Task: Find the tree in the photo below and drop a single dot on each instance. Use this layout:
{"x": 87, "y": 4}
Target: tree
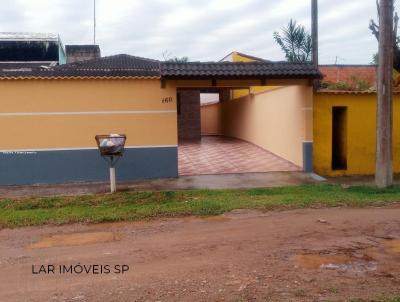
{"x": 167, "y": 56}
{"x": 296, "y": 42}
{"x": 375, "y": 59}
{"x": 396, "y": 49}
{"x": 178, "y": 60}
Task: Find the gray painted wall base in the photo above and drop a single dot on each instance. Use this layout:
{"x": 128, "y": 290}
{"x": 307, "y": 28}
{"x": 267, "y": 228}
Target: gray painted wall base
{"x": 17, "y": 168}
{"x": 308, "y": 157}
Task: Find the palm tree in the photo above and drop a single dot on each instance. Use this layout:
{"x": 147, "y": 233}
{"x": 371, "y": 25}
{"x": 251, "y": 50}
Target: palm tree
{"x": 296, "y": 42}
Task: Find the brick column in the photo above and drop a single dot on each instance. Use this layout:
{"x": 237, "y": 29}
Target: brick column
{"x": 189, "y": 122}
{"x": 224, "y": 95}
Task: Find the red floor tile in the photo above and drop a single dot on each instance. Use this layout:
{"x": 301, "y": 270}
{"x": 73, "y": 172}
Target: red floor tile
{"x": 222, "y": 155}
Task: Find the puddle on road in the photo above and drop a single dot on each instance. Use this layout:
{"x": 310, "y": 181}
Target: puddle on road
{"x": 335, "y": 262}
{"x": 220, "y": 218}
{"x": 75, "y": 239}
{"x": 357, "y": 260}
{"x": 216, "y": 218}
{"x": 393, "y": 245}
{"x": 317, "y": 261}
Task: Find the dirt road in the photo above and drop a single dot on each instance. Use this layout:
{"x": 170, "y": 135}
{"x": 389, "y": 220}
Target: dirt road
{"x": 302, "y": 255}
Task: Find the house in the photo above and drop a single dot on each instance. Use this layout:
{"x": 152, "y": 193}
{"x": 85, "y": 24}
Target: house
{"x": 53, "y": 114}
{"x": 26, "y": 50}
{"x": 79, "y": 53}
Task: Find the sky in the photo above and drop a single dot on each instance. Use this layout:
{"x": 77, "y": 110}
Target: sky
{"x": 199, "y": 29}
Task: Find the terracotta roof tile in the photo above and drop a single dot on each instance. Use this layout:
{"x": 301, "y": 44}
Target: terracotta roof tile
{"x": 346, "y": 92}
{"x": 131, "y": 66}
{"x": 112, "y": 66}
{"x": 238, "y": 69}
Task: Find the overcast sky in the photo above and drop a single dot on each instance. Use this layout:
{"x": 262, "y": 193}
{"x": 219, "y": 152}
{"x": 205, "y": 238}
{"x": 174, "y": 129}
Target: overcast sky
{"x": 200, "y": 29}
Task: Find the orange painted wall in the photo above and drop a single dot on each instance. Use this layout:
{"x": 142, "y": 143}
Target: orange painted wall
{"x": 211, "y": 123}
{"x": 279, "y": 120}
{"x": 41, "y": 114}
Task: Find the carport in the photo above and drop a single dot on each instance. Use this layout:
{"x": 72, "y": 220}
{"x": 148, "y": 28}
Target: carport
{"x": 227, "y": 155}
{"x": 239, "y": 140}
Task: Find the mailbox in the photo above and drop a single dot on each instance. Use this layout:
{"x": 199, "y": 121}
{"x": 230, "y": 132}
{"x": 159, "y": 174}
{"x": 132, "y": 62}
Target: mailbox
{"x": 111, "y": 149}
{"x": 111, "y": 145}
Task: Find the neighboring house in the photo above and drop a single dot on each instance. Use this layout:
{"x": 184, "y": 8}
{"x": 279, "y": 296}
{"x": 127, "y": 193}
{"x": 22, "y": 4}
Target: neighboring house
{"x": 345, "y": 133}
{"x": 26, "y": 51}
{"x": 349, "y": 73}
{"x": 52, "y": 115}
{"x": 31, "y": 48}
{"x": 79, "y": 53}
{"x": 236, "y": 56}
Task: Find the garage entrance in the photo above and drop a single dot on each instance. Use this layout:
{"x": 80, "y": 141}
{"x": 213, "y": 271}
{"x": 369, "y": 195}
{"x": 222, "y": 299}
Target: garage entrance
{"x": 262, "y": 116}
{"x": 226, "y": 131}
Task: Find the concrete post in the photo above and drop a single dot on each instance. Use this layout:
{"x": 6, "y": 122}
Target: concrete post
{"x": 308, "y": 102}
{"x": 314, "y": 35}
{"x": 384, "y": 156}
{"x": 113, "y": 184}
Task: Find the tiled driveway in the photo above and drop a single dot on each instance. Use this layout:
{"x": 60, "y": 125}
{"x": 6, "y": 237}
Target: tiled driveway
{"x": 222, "y": 155}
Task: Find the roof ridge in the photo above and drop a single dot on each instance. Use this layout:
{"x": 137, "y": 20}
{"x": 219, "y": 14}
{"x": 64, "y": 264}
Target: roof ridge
{"x": 238, "y": 63}
{"x": 135, "y": 57}
{"x": 103, "y": 59}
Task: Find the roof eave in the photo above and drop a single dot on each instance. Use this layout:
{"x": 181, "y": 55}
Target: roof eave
{"x": 241, "y": 77}
{"x": 79, "y": 78}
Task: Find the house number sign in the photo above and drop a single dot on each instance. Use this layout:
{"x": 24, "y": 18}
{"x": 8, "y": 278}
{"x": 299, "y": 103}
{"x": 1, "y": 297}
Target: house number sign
{"x": 166, "y": 100}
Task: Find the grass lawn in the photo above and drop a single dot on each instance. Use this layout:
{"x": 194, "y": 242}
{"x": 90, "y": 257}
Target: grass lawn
{"x": 148, "y": 205}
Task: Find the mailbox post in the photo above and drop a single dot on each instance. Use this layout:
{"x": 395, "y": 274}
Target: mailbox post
{"x": 111, "y": 149}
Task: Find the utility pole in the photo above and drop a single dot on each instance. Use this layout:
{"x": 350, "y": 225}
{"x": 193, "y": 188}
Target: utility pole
{"x": 94, "y": 22}
{"x": 314, "y": 31}
{"x": 384, "y": 120}
{"x": 314, "y": 36}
